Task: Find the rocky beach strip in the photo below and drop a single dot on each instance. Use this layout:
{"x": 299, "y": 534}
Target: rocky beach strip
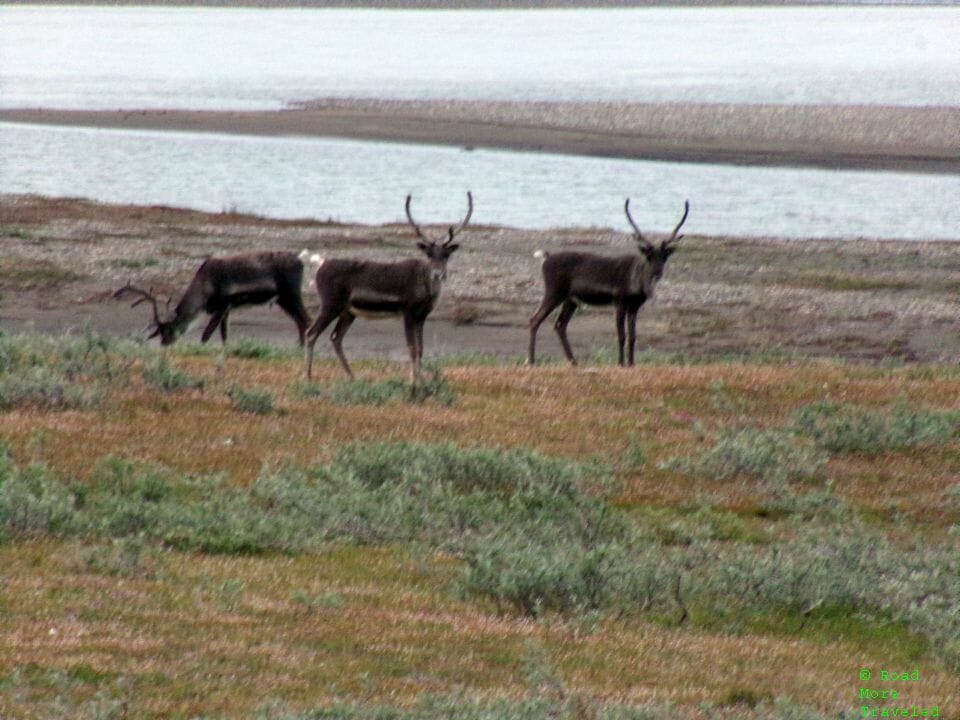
{"x": 923, "y": 139}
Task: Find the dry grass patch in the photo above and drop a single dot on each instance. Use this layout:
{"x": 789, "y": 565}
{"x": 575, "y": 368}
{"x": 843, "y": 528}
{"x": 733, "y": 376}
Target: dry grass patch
{"x": 603, "y": 413}
{"x": 99, "y": 618}
{"x": 220, "y": 635}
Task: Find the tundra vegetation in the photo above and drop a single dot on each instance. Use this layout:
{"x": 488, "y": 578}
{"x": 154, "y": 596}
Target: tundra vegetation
{"x": 722, "y": 539}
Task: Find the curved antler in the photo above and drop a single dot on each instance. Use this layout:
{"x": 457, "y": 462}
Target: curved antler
{"x": 673, "y": 236}
{"x": 416, "y": 228}
{"x": 144, "y": 296}
{"x": 636, "y": 229}
{"x": 453, "y": 232}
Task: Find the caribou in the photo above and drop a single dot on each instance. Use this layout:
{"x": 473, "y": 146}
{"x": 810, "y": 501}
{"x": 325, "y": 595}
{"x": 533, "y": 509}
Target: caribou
{"x": 410, "y": 288}
{"x": 221, "y": 284}
{"x": 626, "y": 282}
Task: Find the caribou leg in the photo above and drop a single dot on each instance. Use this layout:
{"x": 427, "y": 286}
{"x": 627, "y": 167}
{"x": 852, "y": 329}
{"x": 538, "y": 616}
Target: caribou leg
{"x": 621, "y": 332}
{"x": 410, "y": 329}
{"x": 566, "y": 312}
{"x": 219, "y": 315}
{"x": 336, "y": 337}
{"x": 546, "y": 307}
{"x": 292, "y": 305}
{"x": 315, "y": 331}
{"x": 631, "y": 333}
{"x": 420, "y": 325}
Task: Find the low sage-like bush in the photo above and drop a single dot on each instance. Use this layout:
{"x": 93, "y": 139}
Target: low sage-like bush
{"x": 47, "y": 389}
{"x": 776, "y": 456}
{"x": 532, "y": 538}
{"x": 431, "y": 386}
{"x": 851, "y": 429}
{"x": 254, "y": 349}
{"x": 254, "y": 401}
{"x": 69, "y": 372}
{"x": 32, "y": 501}
{"x": 161, "y": 375}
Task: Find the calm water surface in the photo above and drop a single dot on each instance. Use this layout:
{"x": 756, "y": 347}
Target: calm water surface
{"x": 356, "y": 181}
{"x": 137, "y": 57}
{"x": 104, "y": 57}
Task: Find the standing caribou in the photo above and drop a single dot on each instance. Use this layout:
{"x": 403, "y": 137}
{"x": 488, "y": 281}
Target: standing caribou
{"x": 626, "y": 282}
{"x": 221, "y": 284}
{"x": 410, "y": 288}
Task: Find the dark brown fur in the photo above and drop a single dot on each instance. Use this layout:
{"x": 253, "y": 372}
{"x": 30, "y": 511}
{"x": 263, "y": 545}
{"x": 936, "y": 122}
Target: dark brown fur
{"x": 626, "y": 282}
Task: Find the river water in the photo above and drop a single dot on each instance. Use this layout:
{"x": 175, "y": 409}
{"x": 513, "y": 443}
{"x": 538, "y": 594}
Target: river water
{"x": 215, "y": 58}
{"x": 136, "y": 57}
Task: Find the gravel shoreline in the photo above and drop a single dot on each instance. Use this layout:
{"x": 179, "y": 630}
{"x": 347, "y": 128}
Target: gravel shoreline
{"x": 876, "y": 137}
{"x": 863, "y": 300}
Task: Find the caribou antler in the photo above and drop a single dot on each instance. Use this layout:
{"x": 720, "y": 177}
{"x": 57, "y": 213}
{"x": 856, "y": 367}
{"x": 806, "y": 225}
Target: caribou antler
{"x": 466, "y": 219}
{"x": 452, "y": 232}
{"x": 674, "y": 238}
{"x": 416, "y": 228}
{"x": 640, "y": 238}
{"x": 143, "y": 296}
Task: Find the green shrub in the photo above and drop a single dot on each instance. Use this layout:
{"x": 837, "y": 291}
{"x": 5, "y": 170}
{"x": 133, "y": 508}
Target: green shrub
{"x": 670, "y": 526}
{"x": 48, "y": 389}
{"x": 432, "y": 386}
{"x": 33, "y": 502}
{"x": 531, "y": 537}
{"x": 775, "y": 456}
{"x": 161, "y": 375}
{"x": 850, "y": 567}
{"x": 850, "y": 429}
{"x": 463, "y": 469}
{"x": 254, "y": 401}
{"x": 308, "y": 390}
{"x": 380, "y": 492}
{"x": 62, "y": 373}
{"x": 253, "y": 349}
{"x": 534, "y": 573}
{"x": 367, "y": 392}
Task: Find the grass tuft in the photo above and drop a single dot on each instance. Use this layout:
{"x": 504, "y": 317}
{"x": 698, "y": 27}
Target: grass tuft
{"x": 159, "y": 374}
{"x": 850, "y": 429}
{"x": 432, "y": 386}
{"x": 774, "y": 455}
{"x": 254, "y": 401}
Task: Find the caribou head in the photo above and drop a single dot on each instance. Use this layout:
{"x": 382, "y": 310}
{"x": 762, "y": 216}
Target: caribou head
{"x": 657, "y": 255}
{"x": 166, "y": 328}
{"x": 439, "y": 251}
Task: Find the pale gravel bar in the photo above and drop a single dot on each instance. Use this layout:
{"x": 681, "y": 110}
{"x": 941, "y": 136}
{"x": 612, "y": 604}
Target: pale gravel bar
{"x": 925, "y": 139}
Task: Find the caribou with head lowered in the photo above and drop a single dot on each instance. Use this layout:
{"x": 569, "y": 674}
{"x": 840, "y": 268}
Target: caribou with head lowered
{"x": 626, "y": 282}
{"x": 224, "y": 283}
{"x": 410, "y": 288}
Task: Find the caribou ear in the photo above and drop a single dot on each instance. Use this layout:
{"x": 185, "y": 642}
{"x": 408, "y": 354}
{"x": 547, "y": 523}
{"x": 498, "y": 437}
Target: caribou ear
{"x": 451, "y": 248}
{"x": 423, "y": 246}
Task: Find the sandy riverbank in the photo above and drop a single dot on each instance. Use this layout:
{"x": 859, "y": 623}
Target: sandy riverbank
{"x": 869, "y": 137}
{"x": 864, "y": 300}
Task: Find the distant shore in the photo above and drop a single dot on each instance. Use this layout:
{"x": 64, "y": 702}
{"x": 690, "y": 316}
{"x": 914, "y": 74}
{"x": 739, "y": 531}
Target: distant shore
{"x": 918, "y": 139}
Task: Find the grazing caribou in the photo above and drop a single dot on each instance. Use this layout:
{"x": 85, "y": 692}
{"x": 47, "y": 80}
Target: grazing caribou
{"x": 410, "y": 288}
{"x": 626, "y": 282}
{"x": 221, "y": 284}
